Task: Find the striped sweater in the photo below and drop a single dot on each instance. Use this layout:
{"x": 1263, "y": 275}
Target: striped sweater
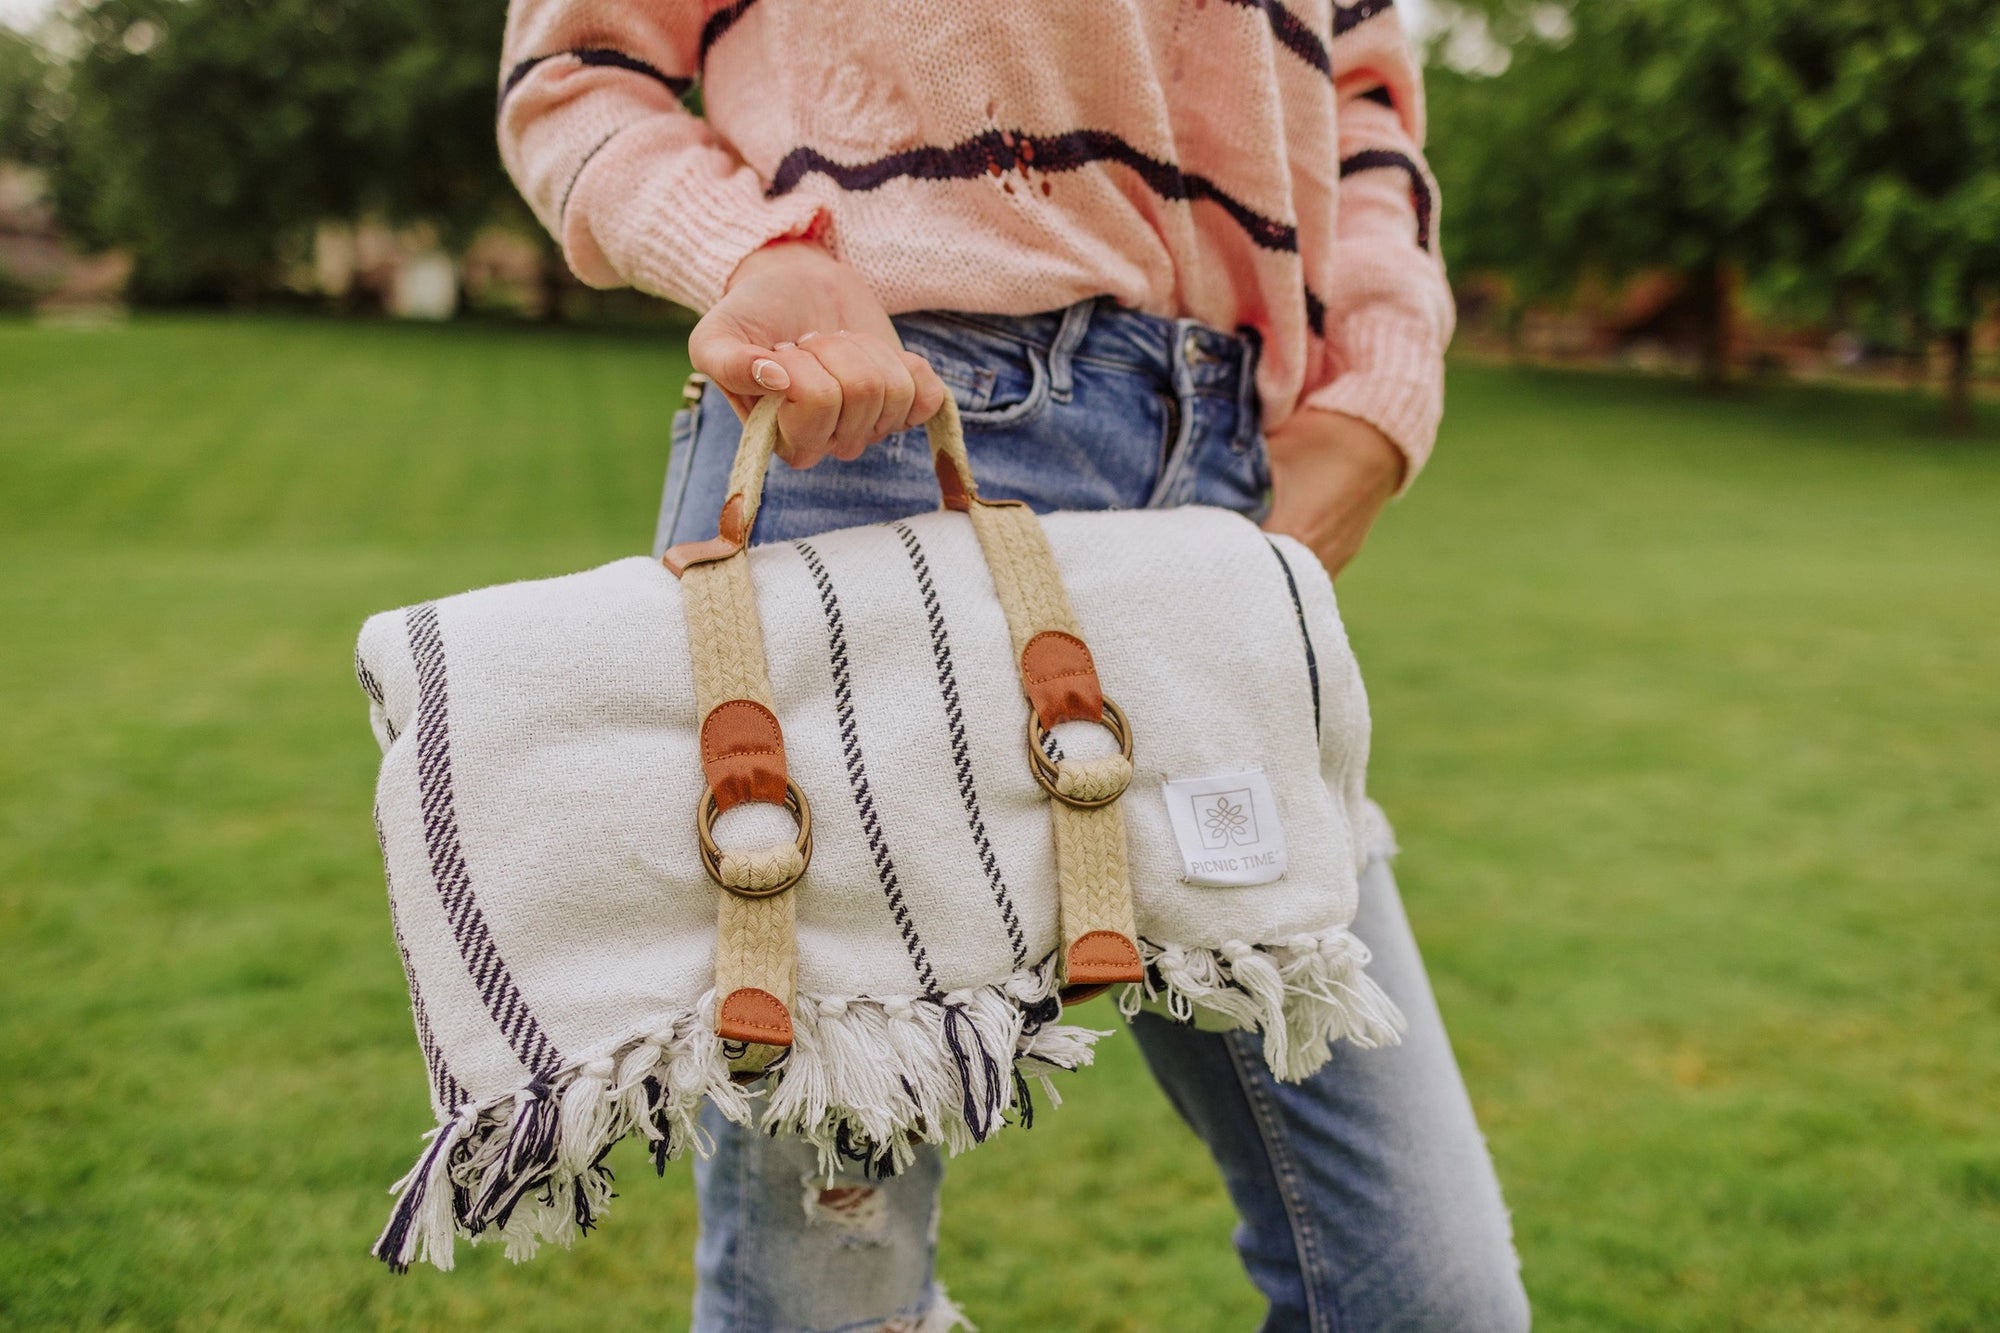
{"x": 1247, "y": 163}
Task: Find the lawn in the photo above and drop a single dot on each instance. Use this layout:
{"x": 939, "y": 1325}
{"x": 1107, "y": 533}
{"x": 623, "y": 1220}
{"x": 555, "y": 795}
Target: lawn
{"x": 1688, "y": 711}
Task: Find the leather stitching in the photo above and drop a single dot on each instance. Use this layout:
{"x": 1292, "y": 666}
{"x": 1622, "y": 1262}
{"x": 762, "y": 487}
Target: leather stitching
{"x": 753, "y": 766}
{"x": 758, "y": 1015}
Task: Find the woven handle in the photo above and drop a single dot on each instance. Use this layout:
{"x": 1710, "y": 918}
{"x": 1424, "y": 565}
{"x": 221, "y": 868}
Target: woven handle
{"x": 761, "y": 437}
{"x": 743, "y": 746}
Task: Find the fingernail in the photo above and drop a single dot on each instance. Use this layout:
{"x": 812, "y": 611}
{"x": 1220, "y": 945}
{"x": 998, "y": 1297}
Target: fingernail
{"x": 784, "y": 347}
{"x": 808, "y": 337}
{"x": 770, "y": 375}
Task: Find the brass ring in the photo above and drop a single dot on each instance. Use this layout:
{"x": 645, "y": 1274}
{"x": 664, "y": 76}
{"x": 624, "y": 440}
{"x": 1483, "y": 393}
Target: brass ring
{"x": 1047, "y": 773}
{"x": 711, "y": 855}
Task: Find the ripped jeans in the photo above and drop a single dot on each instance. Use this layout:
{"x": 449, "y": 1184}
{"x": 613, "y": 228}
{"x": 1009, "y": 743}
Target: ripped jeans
{"x": 1367, "y": 1198}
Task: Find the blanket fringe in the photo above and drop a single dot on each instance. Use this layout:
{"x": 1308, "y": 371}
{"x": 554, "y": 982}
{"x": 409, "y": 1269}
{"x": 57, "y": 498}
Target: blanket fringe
{"x": 865, "y": 1081}
{"x": 1303, "y": 993}
{"x": 944, "y": 1316}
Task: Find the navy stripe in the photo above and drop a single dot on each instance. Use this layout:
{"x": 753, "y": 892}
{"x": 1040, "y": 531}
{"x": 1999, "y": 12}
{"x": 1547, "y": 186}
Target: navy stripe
{"x": 600, "y": 56}
{"x": 562, "y": 209}
{"x": 1371, "y": 159}
{"x": 1292, "y": 33}
{"x": 521, "y": 71}
{"x": 1348, "y": 17}
{"x": 721, "y": 21}
{"x": 372, "y": 687}
{"x": 448, "y": 1089}
{"x": 1315, "y": 313}
{"x": 995, "y": 152}
{"x": 1299, "y": 608}
{"x": 857, "y": 771}
{"x": 1380, "y": 95}
{"x": 961, "y": 750}
{"x": 490, "y": 975}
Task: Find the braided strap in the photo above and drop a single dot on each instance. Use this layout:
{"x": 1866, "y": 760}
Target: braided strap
{"x": 760, "y": 872}
{"x": 742, "y": 747}
{"x": 1090, "y": 782}
{"x": 756, "y": 949}
{"x": 1094, "y": 886}
{"x": 1093, "y": 879}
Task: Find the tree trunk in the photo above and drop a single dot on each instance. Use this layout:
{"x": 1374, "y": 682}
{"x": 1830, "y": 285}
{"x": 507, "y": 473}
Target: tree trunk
{"x": 1958, "y": 380}
{"x": 1714, "y": 304}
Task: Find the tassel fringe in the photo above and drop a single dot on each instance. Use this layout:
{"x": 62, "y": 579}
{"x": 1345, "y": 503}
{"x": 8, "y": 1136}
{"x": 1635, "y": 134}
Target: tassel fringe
{"x": 943, "y": 1317}
{"x": 1303, "y": 993}
{"x": 864, "y": 1082}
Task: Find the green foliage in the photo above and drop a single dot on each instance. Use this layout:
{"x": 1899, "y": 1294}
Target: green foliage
{"x": 1683, "y": 709}
{"x": 1624, "y": 141}
{"x": 209, "y": 136}
{"x": 27, "y": 128}
{"x": 1836, "y": 150}
{"x": 1898, "y": 108}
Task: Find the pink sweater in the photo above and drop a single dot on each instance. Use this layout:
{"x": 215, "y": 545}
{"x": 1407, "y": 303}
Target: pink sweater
{"x": 1247, "y": 163}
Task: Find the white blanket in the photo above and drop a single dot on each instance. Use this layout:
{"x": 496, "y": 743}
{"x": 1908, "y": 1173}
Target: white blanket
{"x": 536, "y": 807}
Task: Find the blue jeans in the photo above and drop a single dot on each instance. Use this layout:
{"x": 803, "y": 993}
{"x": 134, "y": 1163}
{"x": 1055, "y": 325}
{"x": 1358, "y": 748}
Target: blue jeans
{"x": 1367, "y": 1198}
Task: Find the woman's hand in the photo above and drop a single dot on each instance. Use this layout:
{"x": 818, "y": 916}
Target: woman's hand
{"x": 1331, "y": 475}
{"x": 794, "y": 320}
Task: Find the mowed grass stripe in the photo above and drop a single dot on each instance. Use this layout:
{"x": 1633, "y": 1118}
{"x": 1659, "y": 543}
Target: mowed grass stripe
{"x": 1685, "y": 716}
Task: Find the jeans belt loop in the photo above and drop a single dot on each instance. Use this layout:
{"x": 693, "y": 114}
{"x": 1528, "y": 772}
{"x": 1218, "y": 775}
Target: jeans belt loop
{"x": 1250, "y": 403}
{"x": 1069, "y": 336}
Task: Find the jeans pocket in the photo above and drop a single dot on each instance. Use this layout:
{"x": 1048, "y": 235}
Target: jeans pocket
{"x": 995, "y": 380}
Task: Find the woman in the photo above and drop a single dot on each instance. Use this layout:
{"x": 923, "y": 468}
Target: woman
{"x": 1161, "y": 252}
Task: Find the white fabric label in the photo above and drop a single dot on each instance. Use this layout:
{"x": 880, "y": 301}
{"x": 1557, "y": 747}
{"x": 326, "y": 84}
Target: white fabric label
{"x": 1228, "y": 829}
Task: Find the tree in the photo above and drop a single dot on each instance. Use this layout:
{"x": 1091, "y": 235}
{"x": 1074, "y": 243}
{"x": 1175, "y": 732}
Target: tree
{"x": 1619, "y": 139}
{"x": 210, "y": 136}
{"x": 29, "y": 125}
{"x": 1898, "y": 106}
{"x": 1844, "y": 153}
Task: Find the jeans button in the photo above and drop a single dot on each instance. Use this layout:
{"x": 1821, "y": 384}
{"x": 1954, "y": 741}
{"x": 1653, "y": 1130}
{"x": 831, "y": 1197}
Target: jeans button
{"x": 1192, "y": 351}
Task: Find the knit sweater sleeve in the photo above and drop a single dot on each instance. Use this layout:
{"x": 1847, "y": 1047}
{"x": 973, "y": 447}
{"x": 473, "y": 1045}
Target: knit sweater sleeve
{"x": 1389, "y": 311}
{"x": 636, "y": 189}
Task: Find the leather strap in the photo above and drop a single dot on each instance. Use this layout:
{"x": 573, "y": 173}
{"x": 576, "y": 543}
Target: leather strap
{"x": 1060, "y": 678}
{"x": 743, "y": 758}
{"x": 732, "y": 531}
{"x": 743, "y": 753}
{"x": 743, "y": 744}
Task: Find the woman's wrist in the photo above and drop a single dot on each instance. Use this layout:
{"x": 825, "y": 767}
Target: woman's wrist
{"x": 782, "y": 251}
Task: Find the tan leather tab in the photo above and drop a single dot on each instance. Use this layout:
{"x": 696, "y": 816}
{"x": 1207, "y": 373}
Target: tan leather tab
{"x": 1061, "y": 679}
{"x": 754, "y": 1015}
{"x": 727, "y": 542}
{"x": 679, "y": 559}
{"x": 730, "y": 524}
{"x": 957, "y": 495}
{"x": 743, "y": 753}
{"x": 1102, "y": 958}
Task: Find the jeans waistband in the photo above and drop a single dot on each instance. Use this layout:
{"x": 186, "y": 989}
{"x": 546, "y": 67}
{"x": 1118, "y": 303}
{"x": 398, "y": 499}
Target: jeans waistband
{"x": 1185, "y": 356}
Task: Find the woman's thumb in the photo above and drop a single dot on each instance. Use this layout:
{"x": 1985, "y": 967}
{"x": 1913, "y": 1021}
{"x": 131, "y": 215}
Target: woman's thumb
{"x": 739, "y": 368}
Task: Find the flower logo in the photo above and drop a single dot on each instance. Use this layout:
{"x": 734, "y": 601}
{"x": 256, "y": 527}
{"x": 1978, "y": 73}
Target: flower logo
{"x": 1226, "y": 818}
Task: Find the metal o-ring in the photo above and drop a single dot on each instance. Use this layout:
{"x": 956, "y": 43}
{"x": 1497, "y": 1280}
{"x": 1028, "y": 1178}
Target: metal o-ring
{"x": 711, "y": 855}
{"x": 1047, "y": 773}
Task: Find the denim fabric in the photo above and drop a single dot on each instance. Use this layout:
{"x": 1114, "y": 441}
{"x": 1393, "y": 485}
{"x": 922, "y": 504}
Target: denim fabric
{"x": 1366, "y": 1195}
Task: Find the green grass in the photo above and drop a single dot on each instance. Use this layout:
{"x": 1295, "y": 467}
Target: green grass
{"x": 1687, "y": 713}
